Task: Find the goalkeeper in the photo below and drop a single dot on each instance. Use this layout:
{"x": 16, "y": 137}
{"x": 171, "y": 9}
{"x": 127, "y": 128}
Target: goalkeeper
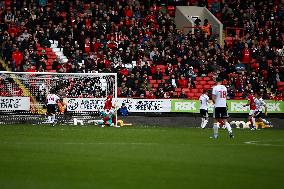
{"x": 107, "y": 118}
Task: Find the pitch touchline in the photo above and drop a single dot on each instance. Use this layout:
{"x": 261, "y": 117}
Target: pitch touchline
{"x": 79, "y": 143}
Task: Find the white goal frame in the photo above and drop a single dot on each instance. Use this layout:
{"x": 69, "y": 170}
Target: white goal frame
{"x": 13, "y": 74}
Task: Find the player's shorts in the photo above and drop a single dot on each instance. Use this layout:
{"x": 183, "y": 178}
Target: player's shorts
{"x": 251, "y": 112}
{"x": 220, "y": 113}
{"x": 51, "y": 108}
{"x": 204, "y": 113}
{"x": 258, "y": 114}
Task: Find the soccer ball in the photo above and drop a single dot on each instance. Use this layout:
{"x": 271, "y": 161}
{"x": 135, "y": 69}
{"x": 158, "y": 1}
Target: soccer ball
{"x": 237, "y": 124}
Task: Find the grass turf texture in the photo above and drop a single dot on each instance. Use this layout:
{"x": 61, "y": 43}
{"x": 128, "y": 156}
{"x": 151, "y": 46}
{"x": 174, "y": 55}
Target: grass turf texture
{"x": 138, "y": 157}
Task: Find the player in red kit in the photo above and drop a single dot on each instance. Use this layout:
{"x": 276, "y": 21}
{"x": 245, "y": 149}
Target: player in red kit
{"x": 252, "y": 109}
{"x": 110, "y": 107}
{"x": 108, "y": 103}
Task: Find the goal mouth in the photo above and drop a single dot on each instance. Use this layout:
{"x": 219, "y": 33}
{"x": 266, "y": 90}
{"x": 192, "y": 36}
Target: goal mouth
{"x": 83, "y": 95}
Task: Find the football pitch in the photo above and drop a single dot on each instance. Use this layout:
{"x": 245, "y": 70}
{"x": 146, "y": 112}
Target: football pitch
{"x": 43, "y": 157}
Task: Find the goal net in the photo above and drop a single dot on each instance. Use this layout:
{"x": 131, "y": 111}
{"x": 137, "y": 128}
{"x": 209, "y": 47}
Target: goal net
{"x": 83, "y": 95}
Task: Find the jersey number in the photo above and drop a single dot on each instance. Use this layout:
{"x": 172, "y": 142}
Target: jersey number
{"x": 223, "y": 94}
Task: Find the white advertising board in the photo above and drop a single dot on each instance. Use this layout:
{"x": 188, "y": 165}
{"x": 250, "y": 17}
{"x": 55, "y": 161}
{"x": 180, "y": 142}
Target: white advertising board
{"x": 133, "y": 105}
{"x": 14, "y": 103}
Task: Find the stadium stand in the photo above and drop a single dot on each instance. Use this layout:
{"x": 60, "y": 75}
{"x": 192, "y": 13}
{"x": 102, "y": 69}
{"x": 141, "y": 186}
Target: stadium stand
{"x": 139, "y": 40}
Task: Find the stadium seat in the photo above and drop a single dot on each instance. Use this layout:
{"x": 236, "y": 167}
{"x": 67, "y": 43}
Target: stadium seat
{"x": 239, "y": 94}
{"x": 199, "y": 86}
{"x": 207, "y": 78}
{"x": 195, "y": 90}
{"x": 152, "y": 81}
{"x": 186, "y": 89}
{"x": 165, "y": 77}
{"x": 178, "y": 89}
{"x": 210, "y": 82}
{"x": 202, "y": 82}
{"x": 198, "y": 78}
{"x": 189, "y": 94}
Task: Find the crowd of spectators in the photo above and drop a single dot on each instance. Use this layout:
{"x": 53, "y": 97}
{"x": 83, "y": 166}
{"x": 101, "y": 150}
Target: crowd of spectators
{"x": 108, "y": 36}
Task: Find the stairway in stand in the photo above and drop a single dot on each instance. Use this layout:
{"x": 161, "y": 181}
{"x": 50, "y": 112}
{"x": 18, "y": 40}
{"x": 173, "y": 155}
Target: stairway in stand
{"x": 36, "y": 107}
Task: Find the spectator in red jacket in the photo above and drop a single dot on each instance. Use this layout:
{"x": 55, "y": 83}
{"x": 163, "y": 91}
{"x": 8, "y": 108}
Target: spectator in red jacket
{"x": 182, "y": 82}
{"x": 17, "y": 56}
{"x": 246, "y": 54}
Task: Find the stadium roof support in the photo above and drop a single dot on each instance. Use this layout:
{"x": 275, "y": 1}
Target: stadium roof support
{"x": 185, "y": 16}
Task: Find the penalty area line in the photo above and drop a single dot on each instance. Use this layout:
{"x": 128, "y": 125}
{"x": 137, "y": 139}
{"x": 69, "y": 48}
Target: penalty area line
{"x": 262, "y": 143}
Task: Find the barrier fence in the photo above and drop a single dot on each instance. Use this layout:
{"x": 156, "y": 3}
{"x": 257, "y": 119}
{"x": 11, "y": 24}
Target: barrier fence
{"x": 138, "y": 105}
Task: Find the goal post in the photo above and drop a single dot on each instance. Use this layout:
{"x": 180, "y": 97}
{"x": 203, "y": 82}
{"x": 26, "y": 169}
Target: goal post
{"x": 22, "y": 94}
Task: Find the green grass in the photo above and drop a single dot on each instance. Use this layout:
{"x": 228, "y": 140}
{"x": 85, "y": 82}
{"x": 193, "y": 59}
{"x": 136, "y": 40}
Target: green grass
{"x": 70, "y": 157}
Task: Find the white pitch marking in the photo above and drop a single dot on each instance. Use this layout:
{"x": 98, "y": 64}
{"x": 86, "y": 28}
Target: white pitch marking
{"x": 78, "y": 143}
{"x": 258, "y": 143}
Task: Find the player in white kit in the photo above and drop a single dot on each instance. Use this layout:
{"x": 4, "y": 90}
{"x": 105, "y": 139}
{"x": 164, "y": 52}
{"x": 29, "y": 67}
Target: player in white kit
{"x": 204, "y": 99}
{"x": 220, "y": 114}
{"x": 51, "y": 100}
{"x": 259, "y": 103}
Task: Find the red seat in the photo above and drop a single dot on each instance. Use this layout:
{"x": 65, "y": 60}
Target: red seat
{"x": 186, "y": 89}
{"x": 195, "y": 90}
{"x": 207, "y": 78}
{"x": 48, "y": 67}
{"x": 152, "y": 81}
{"x": 189, "y": 94}
{"x": 202, "y": 82}
{"x": 239, "y": 94}
{"x": 198, "y": 94}
{"x": 279, "y": 83}
{"x": 199, "y": 86}
{"x": 198, "y": 78}
{"x": 207, "y": 86}
{"x": 165, "y": 77}
{"x": 200, "y": 90}
{"x": 178, "y": 89}
{"x": 210, "y": 82}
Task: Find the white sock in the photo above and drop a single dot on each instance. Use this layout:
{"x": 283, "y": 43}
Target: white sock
{"x": 202, "y": 122}
{"x": 265, "y": 121}
{"x": 53, "y": 118}
{"x": 215, "y": 130}
{"x": 205, "y": 123}
{"x": 49, "y": 118}
{"x": 253, "y": 122}
{"x": 229, "y": 128}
